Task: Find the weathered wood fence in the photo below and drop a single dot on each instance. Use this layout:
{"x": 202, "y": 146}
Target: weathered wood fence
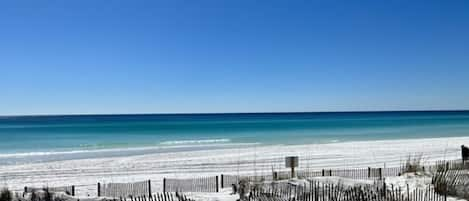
{"x": 202, "y": 184}
{"x": 359, "y": 173}
{"x": 447, "y": 165}
{"x": 228, "y": 180}
{"x": 142, "y": 188}
{"x": 451, "y": 178}
{"x": 212, "y": 184}
{"x": 156, "y": 197}
{"x": 69, "y": 190}
{"x": 315, "y": 191}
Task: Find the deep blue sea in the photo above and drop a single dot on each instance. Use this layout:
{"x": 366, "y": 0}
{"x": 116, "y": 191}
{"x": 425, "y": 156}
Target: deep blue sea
{"x": 27, "y": 138}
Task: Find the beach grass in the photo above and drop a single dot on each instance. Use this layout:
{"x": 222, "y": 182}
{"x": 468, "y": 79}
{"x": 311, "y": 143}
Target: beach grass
{"x": 5, "y": 195}
{"x": 413, "y": 163}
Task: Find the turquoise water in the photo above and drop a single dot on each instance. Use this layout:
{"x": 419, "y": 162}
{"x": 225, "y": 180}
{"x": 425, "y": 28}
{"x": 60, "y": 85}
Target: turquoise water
{"x": 46, "y": 138}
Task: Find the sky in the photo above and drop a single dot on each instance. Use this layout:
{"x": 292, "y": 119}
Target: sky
{"x": 107, "y": 56}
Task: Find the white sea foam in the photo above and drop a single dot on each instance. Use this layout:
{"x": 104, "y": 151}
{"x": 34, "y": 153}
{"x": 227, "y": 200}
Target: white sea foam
{"x": 167, "y": 145}
{"x": 205, "y": 141}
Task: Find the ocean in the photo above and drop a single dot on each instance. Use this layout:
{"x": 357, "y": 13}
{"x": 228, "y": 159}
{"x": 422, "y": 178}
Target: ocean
{"x": 31, "y": 139}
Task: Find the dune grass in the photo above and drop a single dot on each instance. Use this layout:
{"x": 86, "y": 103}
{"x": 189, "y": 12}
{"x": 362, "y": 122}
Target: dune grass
{"x": 5, "y": 195}
{"x": 413, "y": 164}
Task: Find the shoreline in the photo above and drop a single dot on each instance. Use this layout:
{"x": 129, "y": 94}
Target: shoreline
{"x": 85, "y": 173}
{"x": 78, "y": 154}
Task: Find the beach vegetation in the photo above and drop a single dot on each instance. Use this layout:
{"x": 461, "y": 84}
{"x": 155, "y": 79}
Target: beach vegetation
{"x": 44, "y": 195}
{"x": 48, "y": 195}
{"x": 243, "y": 189}
{"x": 413, "y": 164}
{"x": 34, "y": 197}
{"x": 6, "y": 195}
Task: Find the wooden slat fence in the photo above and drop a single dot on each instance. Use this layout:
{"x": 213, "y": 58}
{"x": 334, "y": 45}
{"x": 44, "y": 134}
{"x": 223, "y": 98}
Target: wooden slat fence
{"x": 228, "y": 180}
{"x": 359, "y": 173}
{"x": 156, "y": 197}
{"x": 316, "y": 191}
{"x": 202, "y": 184}
{"x": 308, "y": 174}
{"x": 447, "y": 165}
{"x": 391, "y": 171}
{"x": 69, "y": 190}
{"x": 115, "y": 190}
{"x": 451, "y": 179}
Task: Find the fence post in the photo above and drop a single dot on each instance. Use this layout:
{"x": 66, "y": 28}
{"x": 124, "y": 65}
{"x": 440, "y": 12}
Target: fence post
{"x": 222, "y": 184}
{"x": 323, "y": 172}
{"x": 369, "y": 172}
{"x": 384, "y": 188}
{"x": 408, "y": 193}
{"x": 149, "y": 188}
{"x": 464, "y": 154}
{"x": 216, "y": 182}
{"x": 73, "y": 190}
{"x": 99, "y": 189}
{"x": 380, "y": 173}
{"x": 164, "y": 185}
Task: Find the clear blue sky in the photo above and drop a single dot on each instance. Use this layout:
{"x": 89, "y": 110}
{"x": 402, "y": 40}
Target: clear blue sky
{"x": 104, "y": 56}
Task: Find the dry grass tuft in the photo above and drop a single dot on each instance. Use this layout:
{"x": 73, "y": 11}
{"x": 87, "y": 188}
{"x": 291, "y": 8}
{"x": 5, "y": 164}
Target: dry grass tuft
{"x": 413, "y": 164}
{"x": 6, "y": 195}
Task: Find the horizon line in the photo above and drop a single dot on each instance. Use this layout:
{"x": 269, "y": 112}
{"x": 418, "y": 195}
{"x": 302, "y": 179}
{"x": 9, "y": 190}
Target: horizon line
{"x": 218, "y": 113}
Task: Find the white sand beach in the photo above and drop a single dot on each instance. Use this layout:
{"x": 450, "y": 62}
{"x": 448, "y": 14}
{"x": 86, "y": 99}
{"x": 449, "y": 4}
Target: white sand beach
{"x": 86, "y": 173}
